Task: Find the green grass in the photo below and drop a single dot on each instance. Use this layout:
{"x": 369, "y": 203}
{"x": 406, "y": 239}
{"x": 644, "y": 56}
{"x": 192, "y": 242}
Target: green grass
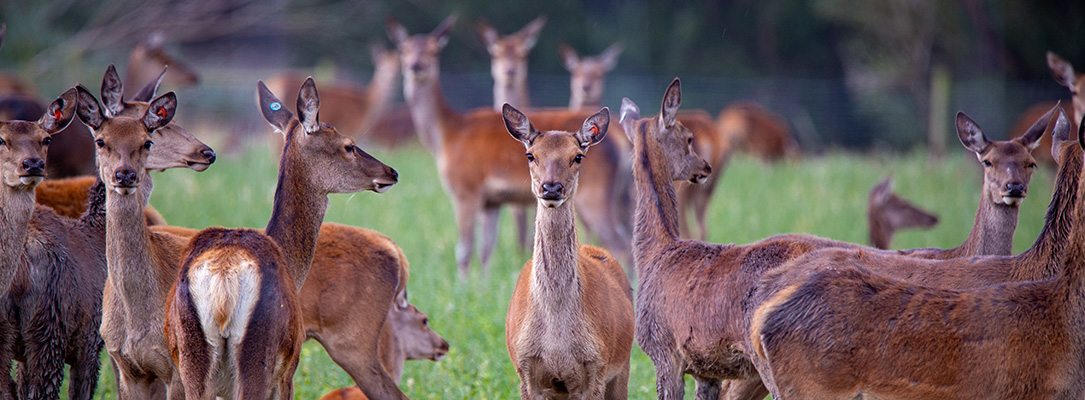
{"x": 825, "y": 196}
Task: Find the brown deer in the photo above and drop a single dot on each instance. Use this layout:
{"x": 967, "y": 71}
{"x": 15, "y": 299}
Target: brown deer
{"x": 480, "y": 185}
{"x": 508, "y": 66}
{"x": 1064, "y": 74}
{"x": 752, "y": 128}
{"x": 569, "y": 327}
{"x": 925, "y": 337}
{"x": 233, "y": 319}
{"x": 887, "y": 213}
{"x": 353, "y": 110}
{"x": 588, "y": 79}
{"x": 149, "y": 56}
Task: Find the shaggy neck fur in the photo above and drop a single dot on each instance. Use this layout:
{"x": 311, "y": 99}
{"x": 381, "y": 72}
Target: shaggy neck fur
{"x": 16, "y": 207}
{"x": 1050, "y": 247}
{"x": 992, "y": 234}
{"x": 514, "y": 93}
{"x": 1072, "y": 280}
{"x": 128, "y": 251}
{"x": 656, "y": 223}
{"x": 427, "y": 104}
{"x": 297, "y": 212}
{"x": 555, "y": 283}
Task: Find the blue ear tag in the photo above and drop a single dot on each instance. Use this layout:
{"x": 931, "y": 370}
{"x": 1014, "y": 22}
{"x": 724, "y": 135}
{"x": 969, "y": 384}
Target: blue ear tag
{"x": 275, "y": 106}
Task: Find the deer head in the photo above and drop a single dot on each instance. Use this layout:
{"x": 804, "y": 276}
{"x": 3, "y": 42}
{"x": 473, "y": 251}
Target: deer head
{"x": 174, "y": 146}
{"x": 508, "y": 54}
{"x": 24, "y": 144}
{"x": 415, "y": 337}
{"x": 419, "y": 55}
{"x": 675, "y": 140}
{"x": 554, "y": 157}
{"x": 1065, "y": 75}
{"x": 1007, "y": 165}
{"x": 888, "y": 211}
{"x": 588, "y": 74}
{"x": 149, "y": 56}
{"x": 344, "y": 168}
{"x": 124, "y": 143}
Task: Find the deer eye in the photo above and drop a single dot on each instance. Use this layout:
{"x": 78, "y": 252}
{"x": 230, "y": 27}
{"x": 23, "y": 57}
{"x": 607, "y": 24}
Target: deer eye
{"x": 2, "y": 142}
{"x": 148, "y": 145}
{"x": 530, "y": 157}
{"x": 986, "y": 163}
{"x": 100, "y": 143}
{"x": 425, "y": 321}
{"x": 578, "y": 158}
{"x": 689, "y": 141}
{"x": 46, "y": 141}
{"x": 350, "y": 148}
{"x": 1032, "y": 165}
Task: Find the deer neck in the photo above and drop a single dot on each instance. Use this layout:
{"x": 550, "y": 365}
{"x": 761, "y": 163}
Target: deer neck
{"x": 1072, "y": 279}
{"x": 577, "y": 101}
{"x": 656, "y": 223}
{"x": 381, "y": 91}
{"x": 880, "y": 235}
{"x": 555, "y": 282}
{"x": 992, "y": 233}
{"x": 16, "y": 208}
{"x": 515, "y": 93}
{"x": 130, "y": 262}
{"x": 296, "y": 215}
{"x": 390, "y": 350}
{"x": 429, "y": 110}
{"x": 1049, "y": 250}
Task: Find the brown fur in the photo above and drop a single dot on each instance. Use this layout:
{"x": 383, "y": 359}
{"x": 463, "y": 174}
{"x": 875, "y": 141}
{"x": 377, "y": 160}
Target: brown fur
{"x": 68, "y": 198}
{"x": 300, "y": 202}
{"x": 935, "y": 337}
{"x": 481, "y": 185}
{"x": 569, "y": 327}
{"x": 1065, "y": 75}
{"x": 887, "y": 213}
{"x": 752, "y": 128}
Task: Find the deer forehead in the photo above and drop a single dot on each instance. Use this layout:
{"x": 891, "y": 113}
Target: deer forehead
{"x": 123, "y": 130}
{"x": 1008, "y": 152}
{"x": 555, "y": 144}
{"x": 23, "y": 135}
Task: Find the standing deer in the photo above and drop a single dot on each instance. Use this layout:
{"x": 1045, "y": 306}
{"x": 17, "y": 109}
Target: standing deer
{"x": 925, "y": 336}
{"x": 569, "y": 328}
{"x": 887, "y": 213}
{"x": 233, "y": 320}
{"x": 482, "y": 184}
{"x": 508, "y": 66}
{"x": 351, "y": 109}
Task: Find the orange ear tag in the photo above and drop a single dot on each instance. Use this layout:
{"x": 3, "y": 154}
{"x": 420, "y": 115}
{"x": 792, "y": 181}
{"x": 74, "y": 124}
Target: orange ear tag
{"x": 594, "y": 130}
{"x": 161, "y": 112}
{"x": 57, "y": 114}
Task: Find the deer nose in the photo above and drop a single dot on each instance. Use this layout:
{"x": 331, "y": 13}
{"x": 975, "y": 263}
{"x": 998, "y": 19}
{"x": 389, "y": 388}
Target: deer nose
{"x": 587, "y": 88}
{"x": 34, "y": 166}
{"x": 1015, "y": 189}
{"x": 416, "y": 67}
{"x": 210, "y": 155}
{"x": 393, "y": 174}
{"x": 125, "y": 178}
{"x": 552, "y": 190}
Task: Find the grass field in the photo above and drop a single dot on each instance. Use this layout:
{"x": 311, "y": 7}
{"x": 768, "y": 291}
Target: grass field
{"x": 825, "y": 196}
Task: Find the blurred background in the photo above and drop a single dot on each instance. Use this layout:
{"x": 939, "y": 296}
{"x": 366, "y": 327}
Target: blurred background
{"x": 844, "y": 74}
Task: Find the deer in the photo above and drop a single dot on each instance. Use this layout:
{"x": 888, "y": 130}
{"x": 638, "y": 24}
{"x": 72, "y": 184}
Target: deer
{"x": 569, "y": 327}
{"x": 887, "y": 213}
{"x": 149, "y": 56}
{"x": 353, "y": 110}
{"x": 237, "y": 289}
{"x": 481, "y": 185}
{"x": 588, "y": 80}
{"x": 508, "y": 67}
{"x": 1064, "y": 74}
{"x": 752, "y": 128}
{"x": 924, "y": 337}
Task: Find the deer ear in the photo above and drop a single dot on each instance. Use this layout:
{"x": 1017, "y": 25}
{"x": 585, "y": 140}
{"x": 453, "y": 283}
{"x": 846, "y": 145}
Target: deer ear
{"x": 275, "y": 113}
{"x": 59, "y": 113}
{"x": 568, "y": 57}
{"x": 518, "y": 125}
{"x": 1059, "y": 134}
{"x": 609, "y": 57}
{"x": 630, "y": 113}
{"x": 530, "y": 32}
{"x": 147, "y": 92}
{"x": 88, "y": 109}
{"x": 668, "y": 114}
{"x": 443, "y": 29}
{"x": 160, "y": 112}
{"x": 594, "y": 129}
{"x": 1031, "y": 138}
{"x": 376, "y": 51}
{"x": 970, "y": 134}
{"x": 112, "y": 92}
{"x": 1063, "y": 71}
{"x": 880, "y": 193}
{"x": 396, "y": 31}
{"x": 486, "y": 33}
{"x": 309, "y": 106}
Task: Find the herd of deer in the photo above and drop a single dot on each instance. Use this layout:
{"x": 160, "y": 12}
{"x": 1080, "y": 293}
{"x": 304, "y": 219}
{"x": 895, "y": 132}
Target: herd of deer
{"x": 201, "y": 314}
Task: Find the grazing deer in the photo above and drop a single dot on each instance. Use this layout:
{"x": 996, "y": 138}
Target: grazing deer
{"x": 752, "y": 128}
{"x": 887, "y": 213}
{"x": 926, "y": 337}
{"x": 481, "y": 185}
{"x": 569, "y": 328}
{"x": 351, "y": 109}
{"x": 233, "y": 319}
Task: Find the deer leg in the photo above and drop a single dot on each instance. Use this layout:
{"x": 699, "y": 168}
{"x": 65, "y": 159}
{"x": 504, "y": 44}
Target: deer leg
{"x": 523, "y": 234}
{"x": 598, "y": 220}
{"x": 466, "y": 213}
{"x": 618, "y": 388}
{"x": 84, "y": 370}
{"x": 7, "y": 337}
{"x": 744, "y": 389}
{"x": 363, "y": 366}
{"x": 490, "y": 215}
{"x": 44, "y": 370}
{"x": 707, "y": 388}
